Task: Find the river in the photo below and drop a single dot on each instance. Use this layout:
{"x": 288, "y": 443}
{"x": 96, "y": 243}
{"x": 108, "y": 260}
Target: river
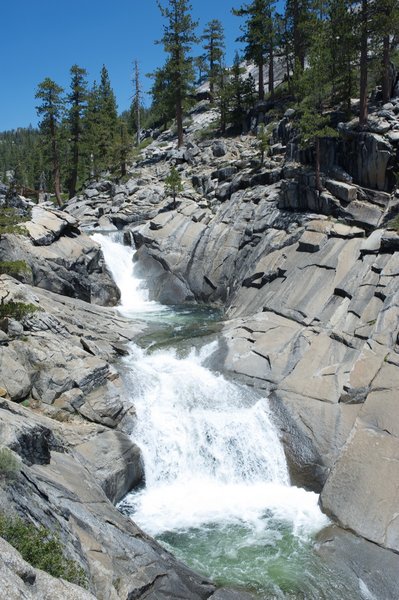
{"x": 217, "y": 491}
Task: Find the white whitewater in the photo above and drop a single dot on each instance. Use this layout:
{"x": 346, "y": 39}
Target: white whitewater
{"x": 211, "y": 452}
{"x": 119, "y": 260}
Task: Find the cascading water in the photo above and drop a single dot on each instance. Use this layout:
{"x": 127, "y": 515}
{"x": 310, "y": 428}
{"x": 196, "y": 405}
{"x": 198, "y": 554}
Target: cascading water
{"x": 217, "y": 490}
{"x": 119, "y": 259}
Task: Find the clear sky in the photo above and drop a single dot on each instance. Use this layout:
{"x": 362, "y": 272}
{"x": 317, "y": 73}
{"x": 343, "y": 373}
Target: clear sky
{"x": 44, "y": 38}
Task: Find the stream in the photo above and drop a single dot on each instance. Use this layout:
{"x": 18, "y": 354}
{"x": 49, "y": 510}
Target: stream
{"x": 217, "y": 492}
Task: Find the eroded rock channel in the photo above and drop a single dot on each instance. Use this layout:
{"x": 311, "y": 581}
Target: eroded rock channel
{"x": 292, "y": 394}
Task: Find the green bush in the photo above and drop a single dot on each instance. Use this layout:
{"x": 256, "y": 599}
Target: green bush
{"x": 41, "y": 548}
{"x": 9, "y": 465}
{"x": 16, "y": 310}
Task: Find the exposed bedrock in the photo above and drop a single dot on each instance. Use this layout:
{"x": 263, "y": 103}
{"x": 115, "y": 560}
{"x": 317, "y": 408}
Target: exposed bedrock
{"x": 313, "y": 317}
{"x": 60, "y": 258}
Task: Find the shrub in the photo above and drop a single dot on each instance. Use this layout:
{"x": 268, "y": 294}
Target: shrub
{"x": 41, "y": 548}
{"x": 16, "y": 310}
{"x": 9, "y": 465}
{"x": 10, "y": 222}
{"x": 14, "y": 267}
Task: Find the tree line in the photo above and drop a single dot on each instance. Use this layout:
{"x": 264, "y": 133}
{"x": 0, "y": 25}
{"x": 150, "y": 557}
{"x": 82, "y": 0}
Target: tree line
{"x": 331, "y": 51}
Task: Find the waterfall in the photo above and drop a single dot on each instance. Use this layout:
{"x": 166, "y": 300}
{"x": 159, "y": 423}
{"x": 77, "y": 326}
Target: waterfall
{"x": 212, "y": 455}
{"x": 119, "y": 260}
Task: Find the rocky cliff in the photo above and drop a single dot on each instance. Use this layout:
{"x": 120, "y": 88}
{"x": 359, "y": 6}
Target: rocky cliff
{"x": 309, "y": 281}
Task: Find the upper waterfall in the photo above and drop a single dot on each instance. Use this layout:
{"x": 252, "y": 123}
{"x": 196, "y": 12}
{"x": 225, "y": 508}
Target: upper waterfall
{"x": 119, "y": 260}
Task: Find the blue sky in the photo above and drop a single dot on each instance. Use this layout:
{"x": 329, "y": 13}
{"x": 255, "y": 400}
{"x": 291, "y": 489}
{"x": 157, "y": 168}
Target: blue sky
{"x": 43, "y": 38}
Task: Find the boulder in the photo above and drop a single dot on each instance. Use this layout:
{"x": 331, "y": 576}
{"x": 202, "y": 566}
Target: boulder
{"x": 114, "y": 461}
{"x": 219, "y": 148}
{"x": 341, "y": 190}
{"x": 63, "y": 495}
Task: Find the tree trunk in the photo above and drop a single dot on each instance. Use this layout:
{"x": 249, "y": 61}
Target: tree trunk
{"x": 56, "y": 163}
{"x": 74, "y": 173}
{"x": 179, "y": 107}
{"x": 318, "y": 182}
{"x": 137, "y": 101}
{"x": 386, "y": 83}
{"x": 261, "y": 94}
{"x": 271, "y": 70}
{"x": 211, "y": 68}
{"x": 363, "y": 64}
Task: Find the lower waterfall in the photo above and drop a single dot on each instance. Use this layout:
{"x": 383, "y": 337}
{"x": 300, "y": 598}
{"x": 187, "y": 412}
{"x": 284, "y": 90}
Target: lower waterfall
{"x": 217, "y": 491}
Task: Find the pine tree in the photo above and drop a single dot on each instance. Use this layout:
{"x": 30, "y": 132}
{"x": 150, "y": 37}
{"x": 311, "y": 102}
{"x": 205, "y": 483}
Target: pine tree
{"x": 77, "y": 101}
{"x": 200, "y": 66}
{"x": 240, "y": 95}
{"x": 173, "y": 184}
{"x": 259, "y": 36}
{"x": 108, "y": 118}
{"x": 364, "y": 48}
{"x": 214, "y": 47}
{"x": 123, "y": 146}
{"x": 136, "y": 106}
{"x": 163, "y": 96}
{"x": 316, "y": 86}
{"x": 314, "y": 126}
{"x": 178, "y": 37}
{"x": 298, "y": 17}
{"x": 101, "y": 125}
{"x": 342, "y": 45}
{"x": 51, "y": 110}
{"x": 386, "y": 27}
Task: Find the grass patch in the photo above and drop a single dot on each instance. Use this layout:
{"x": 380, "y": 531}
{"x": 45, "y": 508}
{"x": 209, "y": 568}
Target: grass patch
{"x": 393, "y": 223}
{"x": 9, "y": 465}
{"x": 42, "y": 549}
{"x": 14, "y": 267}
{"x": 207, "y": 133}
{"x": 11, "y": 222}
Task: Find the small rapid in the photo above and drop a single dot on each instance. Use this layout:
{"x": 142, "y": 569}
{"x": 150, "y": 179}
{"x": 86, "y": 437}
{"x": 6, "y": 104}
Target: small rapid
{"x": 217, "y": 490}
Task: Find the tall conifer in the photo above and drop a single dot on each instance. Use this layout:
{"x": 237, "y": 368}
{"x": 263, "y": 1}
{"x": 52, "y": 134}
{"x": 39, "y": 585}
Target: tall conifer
{"x": 177, "y": 40}
{"x": 214, "y": 46}
{"x": 50, "y": 111}
{"x": 259, "y": 36}
{"x": 77, "y": 103}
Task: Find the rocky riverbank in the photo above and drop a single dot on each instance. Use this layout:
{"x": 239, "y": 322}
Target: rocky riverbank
{"x": 309, "y": 282}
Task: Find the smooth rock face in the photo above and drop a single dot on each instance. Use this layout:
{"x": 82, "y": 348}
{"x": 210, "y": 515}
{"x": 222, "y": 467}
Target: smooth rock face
{"x": 374, "y": 569}
{"x": 369, "y": 466}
